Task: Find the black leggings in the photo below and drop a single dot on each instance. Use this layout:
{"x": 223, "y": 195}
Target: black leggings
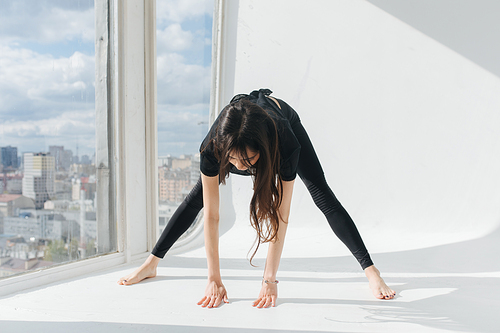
{"x": 311, "y": 173}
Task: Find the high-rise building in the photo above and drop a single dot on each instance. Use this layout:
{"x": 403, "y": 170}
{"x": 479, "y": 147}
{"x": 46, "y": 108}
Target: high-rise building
{"x": 38, "y": 181}
{"x": 177, "y": 176}
{"x": 8, "y": 157}
{"x": 165, "y": 161}
{"x": 57, "y": 153}
{"x": 173, "y": 184}
{"x": 63, "y": 158}
{"x": 67, "y": 159}
{"x": 85, "y": 159}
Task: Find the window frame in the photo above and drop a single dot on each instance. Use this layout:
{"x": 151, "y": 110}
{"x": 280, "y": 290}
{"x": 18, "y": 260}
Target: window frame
{"x": 126, "y": 127}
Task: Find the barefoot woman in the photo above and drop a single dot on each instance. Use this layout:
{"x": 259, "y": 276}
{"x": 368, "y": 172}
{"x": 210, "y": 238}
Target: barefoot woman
{"x": 261, "y": 136}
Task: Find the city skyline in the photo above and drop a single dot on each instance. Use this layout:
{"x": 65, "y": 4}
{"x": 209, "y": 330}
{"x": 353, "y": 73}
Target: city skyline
{"x": 73, "y": 158}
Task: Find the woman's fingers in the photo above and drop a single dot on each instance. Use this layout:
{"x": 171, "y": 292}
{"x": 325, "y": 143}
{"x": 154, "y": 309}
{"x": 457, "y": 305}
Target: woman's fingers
{"x": 268, "y": 302}
{"x": 205, "y": 301}
{"x": 212, "y": 301}
{"x": 202, "y": 300}
{"x": 217, "y": 301}
{"x": 263, "y": 302}
{"x": 215, "y": 294}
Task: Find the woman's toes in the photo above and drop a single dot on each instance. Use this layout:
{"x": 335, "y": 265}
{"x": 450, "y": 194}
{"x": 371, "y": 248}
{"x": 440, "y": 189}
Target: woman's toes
{"x": 124, "y": 281}
{"x": 389, "y": 296}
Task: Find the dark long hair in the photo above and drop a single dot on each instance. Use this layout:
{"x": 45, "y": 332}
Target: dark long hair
{"x": 243, "y": 125}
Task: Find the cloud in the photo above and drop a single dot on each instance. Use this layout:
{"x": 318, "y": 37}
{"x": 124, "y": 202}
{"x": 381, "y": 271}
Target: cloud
{"x": 40, "y": 86}
{"x": 180, "y": 83}
{"x": 64, "y": 129}
{"x": 66, "y": 124}
{"x": 173, "y": 38}
{"x": 182, "y": 10}
{"x": 46, "y": 99}
{"x": 46, "y": 21}
{"x": 183, "y": 79}
{"x": 181, "y": 129}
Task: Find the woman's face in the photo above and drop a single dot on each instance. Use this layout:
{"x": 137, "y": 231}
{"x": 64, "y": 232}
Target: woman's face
{"x": 242, "y": 164}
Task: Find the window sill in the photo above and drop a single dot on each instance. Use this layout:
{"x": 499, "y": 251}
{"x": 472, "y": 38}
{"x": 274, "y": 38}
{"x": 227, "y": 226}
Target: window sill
{"x": 10, "y": 285}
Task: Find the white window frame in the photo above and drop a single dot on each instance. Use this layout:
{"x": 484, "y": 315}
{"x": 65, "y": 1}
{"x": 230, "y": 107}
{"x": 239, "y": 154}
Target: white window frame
{"x": 126, "y": 142}
{"x": 126, "y": 137}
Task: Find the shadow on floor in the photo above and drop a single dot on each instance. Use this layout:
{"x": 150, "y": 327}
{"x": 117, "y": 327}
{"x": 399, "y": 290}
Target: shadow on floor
{"x": 439, "y": 291}
{"x": 473, "y": 256}
{"x": 97, "y": 327}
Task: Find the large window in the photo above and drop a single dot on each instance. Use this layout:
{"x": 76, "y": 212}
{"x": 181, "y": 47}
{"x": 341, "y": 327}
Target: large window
{"x": 47, "y": 134}
{"x": 184, "y": 41}
{"x": 79, "y": 131}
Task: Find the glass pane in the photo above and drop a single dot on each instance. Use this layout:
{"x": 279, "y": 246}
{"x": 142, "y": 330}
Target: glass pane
{"x": 47, "y": 133}
{"x": 184, "y": 46}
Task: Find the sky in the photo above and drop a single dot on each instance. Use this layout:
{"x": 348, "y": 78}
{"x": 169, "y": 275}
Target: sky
{"x": 47, "y": 74}
{"x": 184, "y": 52}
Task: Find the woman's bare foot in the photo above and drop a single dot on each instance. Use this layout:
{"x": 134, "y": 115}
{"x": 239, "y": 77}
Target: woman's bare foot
{"x": 147, "y": 270}
{"x": 377, "y": 285}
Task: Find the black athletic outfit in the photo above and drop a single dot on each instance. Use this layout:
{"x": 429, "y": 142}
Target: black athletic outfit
{"x": 297, "y": 157}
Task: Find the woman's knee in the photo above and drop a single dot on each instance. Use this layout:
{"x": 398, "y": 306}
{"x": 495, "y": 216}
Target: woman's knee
{"x": 323, "y": 197}
{"x": 195, "y": 197}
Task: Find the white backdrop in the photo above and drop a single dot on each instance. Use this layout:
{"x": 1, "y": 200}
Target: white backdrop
{"x": 406, "y": 129}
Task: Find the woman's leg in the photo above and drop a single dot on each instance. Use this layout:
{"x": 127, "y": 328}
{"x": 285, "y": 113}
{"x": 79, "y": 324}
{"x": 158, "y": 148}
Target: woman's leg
{"x": 182, "y": 219}
{"x": 311, "y": 173}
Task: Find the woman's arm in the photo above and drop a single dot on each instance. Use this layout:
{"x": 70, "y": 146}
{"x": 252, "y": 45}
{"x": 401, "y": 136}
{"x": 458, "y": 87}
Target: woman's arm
{"x": 269, "y": 291}
{"x": 215, "y": 292}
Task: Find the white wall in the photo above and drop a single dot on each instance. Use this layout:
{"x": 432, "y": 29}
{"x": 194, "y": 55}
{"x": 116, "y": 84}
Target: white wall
{"x": 406, "y": 129}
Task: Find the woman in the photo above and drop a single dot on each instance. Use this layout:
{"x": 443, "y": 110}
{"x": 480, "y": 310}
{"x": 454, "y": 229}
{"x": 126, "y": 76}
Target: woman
{"x": 261, "y": 136}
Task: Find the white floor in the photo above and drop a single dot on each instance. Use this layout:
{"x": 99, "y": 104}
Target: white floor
{"x": 447, "y": 288}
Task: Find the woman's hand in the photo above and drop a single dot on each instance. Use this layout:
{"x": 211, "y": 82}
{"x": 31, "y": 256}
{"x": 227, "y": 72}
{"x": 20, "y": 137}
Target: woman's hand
{"x": 215, "y": 293}
{"x": 268, "y": 295}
